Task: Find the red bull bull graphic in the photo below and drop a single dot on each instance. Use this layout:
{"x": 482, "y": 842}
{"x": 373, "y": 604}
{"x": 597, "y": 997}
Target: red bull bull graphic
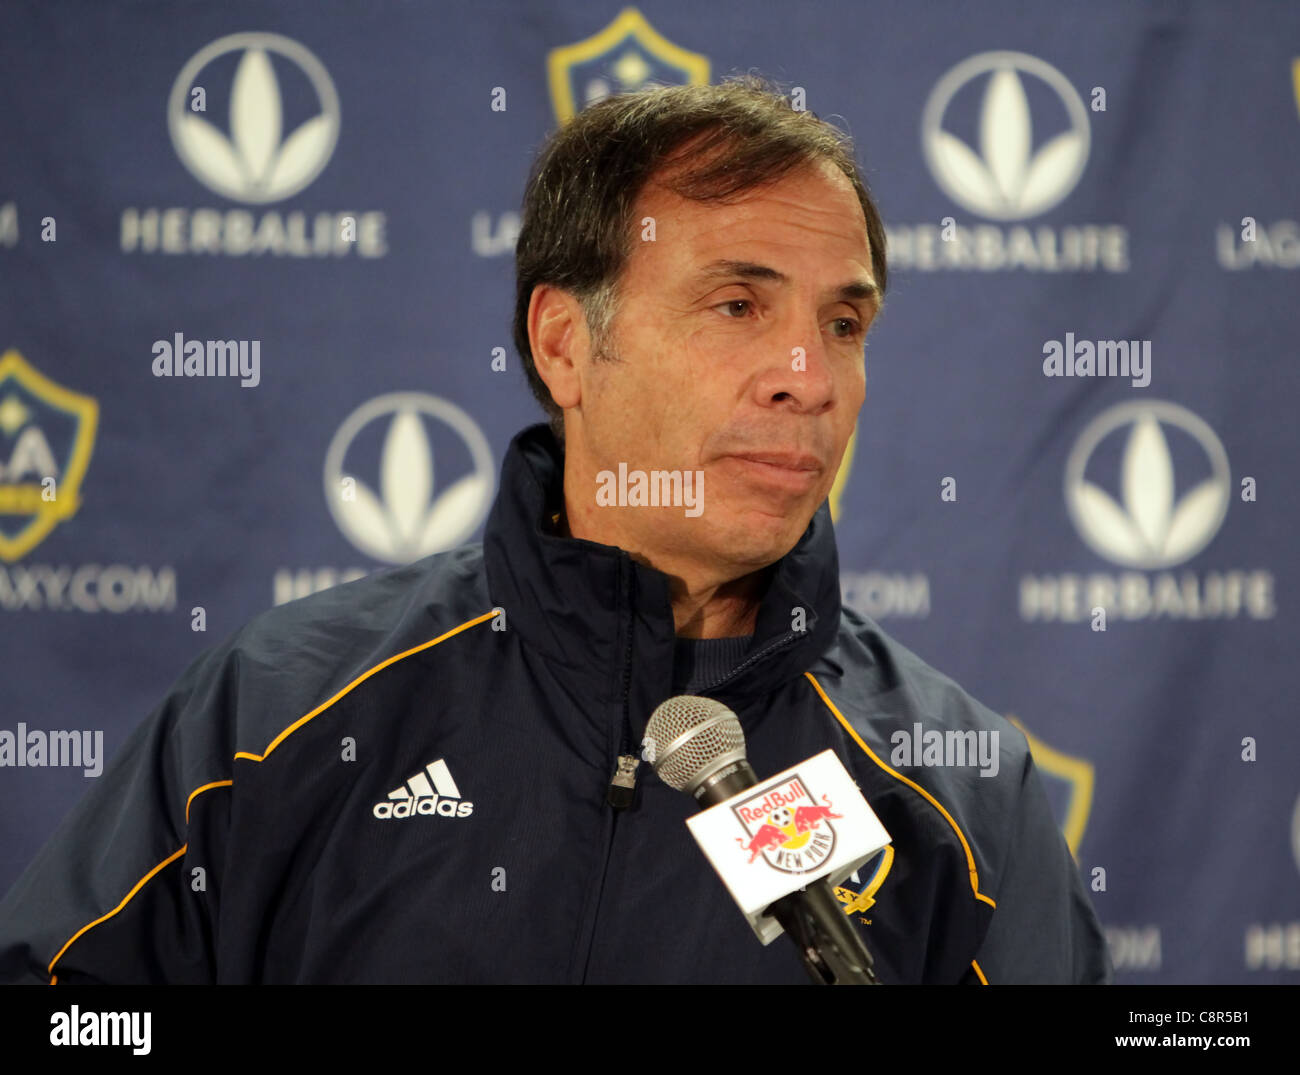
{"x": 787, "y": 827}
{"x": 769, "y": 836}
{"x": 806, "y": 817}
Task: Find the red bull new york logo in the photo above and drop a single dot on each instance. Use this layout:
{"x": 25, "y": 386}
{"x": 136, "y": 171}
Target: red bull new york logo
{"x": 787, "y": 827}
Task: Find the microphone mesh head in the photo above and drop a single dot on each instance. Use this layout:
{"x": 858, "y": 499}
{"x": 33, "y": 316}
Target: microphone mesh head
{"x": 693, "y": 737}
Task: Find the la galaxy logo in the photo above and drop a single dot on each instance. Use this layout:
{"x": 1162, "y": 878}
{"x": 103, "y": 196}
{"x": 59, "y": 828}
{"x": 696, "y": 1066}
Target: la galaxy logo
{"x": 860, "y": 902}
{"x": 787, "y": 827}
{"x": 621, "y": 58}
{"x": 1068, "y": 782}
{"x": 39, "y": 488}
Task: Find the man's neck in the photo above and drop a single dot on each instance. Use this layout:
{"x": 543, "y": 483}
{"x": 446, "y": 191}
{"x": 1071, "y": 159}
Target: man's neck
{"x": 702, "y": 608}
{"x": 723, "y": 611}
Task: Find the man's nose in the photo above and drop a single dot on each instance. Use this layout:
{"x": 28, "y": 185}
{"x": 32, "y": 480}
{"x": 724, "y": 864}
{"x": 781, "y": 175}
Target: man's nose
{"x": 801, "y": 378}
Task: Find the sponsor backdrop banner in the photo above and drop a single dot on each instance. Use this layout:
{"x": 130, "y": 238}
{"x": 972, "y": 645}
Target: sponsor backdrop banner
{"x": 1072, "y": 484}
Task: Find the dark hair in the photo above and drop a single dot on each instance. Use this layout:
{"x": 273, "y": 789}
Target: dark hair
{"x": 577, "y": 230}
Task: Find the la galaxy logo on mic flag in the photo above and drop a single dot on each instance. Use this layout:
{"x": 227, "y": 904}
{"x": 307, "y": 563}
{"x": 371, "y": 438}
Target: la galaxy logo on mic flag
{"x": 787, "y": 827}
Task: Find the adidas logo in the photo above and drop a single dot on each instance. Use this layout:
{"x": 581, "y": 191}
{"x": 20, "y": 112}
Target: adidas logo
{"x": 430, "y": 791}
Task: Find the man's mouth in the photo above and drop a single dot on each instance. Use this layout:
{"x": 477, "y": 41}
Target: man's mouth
{"x": 788, "y": 472}
{"x": 785, "y": 460}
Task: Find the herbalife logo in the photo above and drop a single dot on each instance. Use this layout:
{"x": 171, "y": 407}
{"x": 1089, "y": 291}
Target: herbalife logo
{"x": 255, "y": 161}
{"x": 1148, "y": 527}
{"x": 430, "y": 791}
{"x": 402, "y": 519}
{"x": 1005, "y": 176}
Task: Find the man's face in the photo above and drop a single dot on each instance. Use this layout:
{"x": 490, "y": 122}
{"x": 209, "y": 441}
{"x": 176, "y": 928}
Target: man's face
{"x": 739, "y": 354}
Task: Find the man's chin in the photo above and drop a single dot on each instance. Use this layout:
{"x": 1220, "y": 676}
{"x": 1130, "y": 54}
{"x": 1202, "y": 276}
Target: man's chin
{"x": 758, "y": 538}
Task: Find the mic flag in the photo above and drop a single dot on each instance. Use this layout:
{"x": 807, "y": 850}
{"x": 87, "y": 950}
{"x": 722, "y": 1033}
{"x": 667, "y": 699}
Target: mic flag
{"x": 786, "y": 832}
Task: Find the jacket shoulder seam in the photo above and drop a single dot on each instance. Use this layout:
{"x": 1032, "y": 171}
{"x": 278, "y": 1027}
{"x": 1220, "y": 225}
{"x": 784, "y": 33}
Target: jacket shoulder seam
{"x": 104, "y": 918}
{"x": 139, "y": 885}
{"x": 249, "y": 756}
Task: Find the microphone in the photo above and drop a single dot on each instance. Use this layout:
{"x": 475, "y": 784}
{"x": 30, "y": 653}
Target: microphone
{"x": 697, "y": 745}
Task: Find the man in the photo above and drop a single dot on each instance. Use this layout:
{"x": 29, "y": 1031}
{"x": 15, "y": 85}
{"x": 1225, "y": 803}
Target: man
{"x": 432, "y": 774}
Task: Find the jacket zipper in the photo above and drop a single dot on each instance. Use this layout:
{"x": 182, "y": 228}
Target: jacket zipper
{"x": 753, "y": 658}
{"x": 622, "y": 786}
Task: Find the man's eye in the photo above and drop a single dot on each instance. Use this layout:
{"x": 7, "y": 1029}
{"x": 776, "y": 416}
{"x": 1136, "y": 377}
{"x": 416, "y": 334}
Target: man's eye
{"x": 733, "y": 302}
{"x": 854, "y": 326}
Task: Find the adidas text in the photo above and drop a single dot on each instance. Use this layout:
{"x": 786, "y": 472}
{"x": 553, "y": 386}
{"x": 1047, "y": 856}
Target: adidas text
{"x": 426, "y": 804}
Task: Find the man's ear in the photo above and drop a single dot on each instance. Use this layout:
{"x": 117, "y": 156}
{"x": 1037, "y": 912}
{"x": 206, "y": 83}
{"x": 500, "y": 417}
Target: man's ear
{"x": 557, "y": 333}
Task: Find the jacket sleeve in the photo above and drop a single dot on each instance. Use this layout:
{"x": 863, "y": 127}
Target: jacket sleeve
{"x": 1044, "y": 929}
{"x": 125, "y": 891}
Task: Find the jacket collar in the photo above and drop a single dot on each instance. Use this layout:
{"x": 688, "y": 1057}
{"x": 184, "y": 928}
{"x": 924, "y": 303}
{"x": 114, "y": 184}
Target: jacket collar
{"x": 607, "y": 620}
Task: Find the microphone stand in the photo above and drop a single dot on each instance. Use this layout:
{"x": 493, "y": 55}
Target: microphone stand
{"x": 832, "y": 951}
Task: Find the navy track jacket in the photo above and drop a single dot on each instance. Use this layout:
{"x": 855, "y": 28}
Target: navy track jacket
{"x": 390, "y": 782}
